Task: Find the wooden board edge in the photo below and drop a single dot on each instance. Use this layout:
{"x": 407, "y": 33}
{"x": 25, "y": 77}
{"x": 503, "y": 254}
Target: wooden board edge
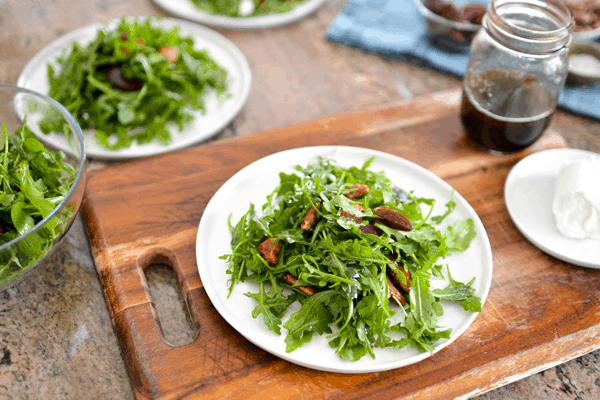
{"x": 378, "y": 119}
{"x": 513, "y": 368}
{"x": 466, "y": 165}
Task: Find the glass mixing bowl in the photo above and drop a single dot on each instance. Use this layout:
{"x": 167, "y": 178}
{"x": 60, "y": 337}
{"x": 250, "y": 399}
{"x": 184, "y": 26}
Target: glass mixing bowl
{"x": 23, "y": 252}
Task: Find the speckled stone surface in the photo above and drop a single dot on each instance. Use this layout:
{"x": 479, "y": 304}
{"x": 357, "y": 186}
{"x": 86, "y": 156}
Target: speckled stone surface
{"x": 56, "y": 336}
{"x": 576, "y": 379}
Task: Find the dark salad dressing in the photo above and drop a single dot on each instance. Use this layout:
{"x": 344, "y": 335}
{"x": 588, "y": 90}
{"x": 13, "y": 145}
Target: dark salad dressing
{"x": 505, "y": 111}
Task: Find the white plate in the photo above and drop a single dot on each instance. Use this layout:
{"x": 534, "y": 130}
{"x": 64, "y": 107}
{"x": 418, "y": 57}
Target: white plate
{"x": 187, "y": 9}
{"x": 529, "y": 192}
{"x": 256, "y": 181}
{"x": 217, "y": 116}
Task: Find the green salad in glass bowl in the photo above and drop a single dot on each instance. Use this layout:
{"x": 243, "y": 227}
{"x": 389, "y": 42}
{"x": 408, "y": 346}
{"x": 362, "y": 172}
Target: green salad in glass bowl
{"x": 41, "y": 189}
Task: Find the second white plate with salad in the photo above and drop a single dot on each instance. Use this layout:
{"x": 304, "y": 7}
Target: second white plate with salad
{"x": 186, "y": 9}
{"x": 216, "y": 117}
{"x": 252, "y": 185}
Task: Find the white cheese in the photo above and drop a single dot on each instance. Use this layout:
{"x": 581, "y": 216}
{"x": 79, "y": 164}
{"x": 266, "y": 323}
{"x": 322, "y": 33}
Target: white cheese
{"x": 576, "y": 204}
{"x": 246, "y": 8}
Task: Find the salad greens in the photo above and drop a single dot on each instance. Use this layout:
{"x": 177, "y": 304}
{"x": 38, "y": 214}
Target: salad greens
{"x": 347, "y": 267}
{"x": 231, "y": 8}
{"x": 34, "y": 182}
{"x": 160, "y": 80}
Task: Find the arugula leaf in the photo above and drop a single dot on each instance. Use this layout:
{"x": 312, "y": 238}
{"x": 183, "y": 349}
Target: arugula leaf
{"x": 459, "y": 235}
{"x": 450, "y": 206}
{"x": 461, "y": 292}
{"x": 20, "y": 217}
{"x": 313, "y": 317}
{"x": 272, "y": 305}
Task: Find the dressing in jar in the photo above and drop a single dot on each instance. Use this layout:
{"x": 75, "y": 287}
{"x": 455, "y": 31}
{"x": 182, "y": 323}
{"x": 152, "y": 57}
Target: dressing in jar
{"x": 517, "y": 67}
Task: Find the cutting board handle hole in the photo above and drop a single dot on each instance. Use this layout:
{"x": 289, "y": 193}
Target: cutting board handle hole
{"x": 175, "y": 322}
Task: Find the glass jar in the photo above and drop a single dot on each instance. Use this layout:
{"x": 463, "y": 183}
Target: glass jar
{"x": 517, "y": 67}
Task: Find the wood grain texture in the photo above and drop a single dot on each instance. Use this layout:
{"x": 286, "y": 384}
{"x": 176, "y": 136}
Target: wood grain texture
{"x": 540, "y": 311}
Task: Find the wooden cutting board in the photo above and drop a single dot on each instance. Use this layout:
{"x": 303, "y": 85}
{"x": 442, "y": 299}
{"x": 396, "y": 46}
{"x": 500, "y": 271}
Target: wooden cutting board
{"x": 540, "y": 311}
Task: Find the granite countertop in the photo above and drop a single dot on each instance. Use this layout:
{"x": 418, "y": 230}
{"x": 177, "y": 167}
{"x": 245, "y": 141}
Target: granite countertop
{"x": 56, "y": 336}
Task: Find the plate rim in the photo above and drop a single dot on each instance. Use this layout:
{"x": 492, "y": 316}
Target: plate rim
{"x": 192, "y": 13}
{"x": 354, "y": 367}
{"x": 42, "y": 58}
{"x": 509, "y": 185}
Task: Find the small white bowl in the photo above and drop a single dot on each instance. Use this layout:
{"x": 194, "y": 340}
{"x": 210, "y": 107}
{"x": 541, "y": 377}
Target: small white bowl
{"x": 584, "y": 62}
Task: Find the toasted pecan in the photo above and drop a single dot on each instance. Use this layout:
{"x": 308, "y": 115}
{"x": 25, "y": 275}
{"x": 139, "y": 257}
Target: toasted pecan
{"x": 358, "y": 206}
{"x": 291, "y": 280}
{"x": 393, "y": 219}
{"x": 359, "y": 191}
{"x": 347, "y": 215}
{"x": 395, "y": 293}
{"x": 114, "y": 76}
{"x": 394, "y": 276}
{"x": 369, "y": 229}
{"x": 310, "y": 217}
{"x": 268, "y": 251}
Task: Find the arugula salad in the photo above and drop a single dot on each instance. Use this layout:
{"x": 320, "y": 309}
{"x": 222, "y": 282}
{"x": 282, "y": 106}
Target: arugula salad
{"x": 34, "y": 182}
{"x": 354, "y": 251}
{"x": 129, "y": 84}
{"x": 231, "y": 8}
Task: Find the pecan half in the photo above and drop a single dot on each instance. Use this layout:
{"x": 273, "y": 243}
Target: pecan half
{"x": 268, "y": 251}
{"x": 359, "y": 191}
{"x": 347, "y": 215}
{"x": 395, "y": 293}
{"x": 369, "y": 229}
{"x": 394, "y": 276}
{"x": 358, "y": 206}
{"x": 393, "y": 219}
{"x": 310, "y": 217}
{"x": 114, "y": 76}
{"x": 291, "y": 280}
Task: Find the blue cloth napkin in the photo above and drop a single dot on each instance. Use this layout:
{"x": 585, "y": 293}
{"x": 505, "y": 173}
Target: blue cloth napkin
{"x": 394, "y": 28}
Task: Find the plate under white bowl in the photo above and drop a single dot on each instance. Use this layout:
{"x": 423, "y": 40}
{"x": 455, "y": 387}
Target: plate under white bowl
{"x": 186, "y": 9}
{"x": 218, "y": 114}
{"x": 253, "y": 183}
{"x": 529, "y": 193}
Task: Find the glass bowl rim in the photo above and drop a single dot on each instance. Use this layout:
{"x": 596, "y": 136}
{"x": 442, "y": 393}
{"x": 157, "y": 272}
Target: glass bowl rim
{"x": 80, "y": 167}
